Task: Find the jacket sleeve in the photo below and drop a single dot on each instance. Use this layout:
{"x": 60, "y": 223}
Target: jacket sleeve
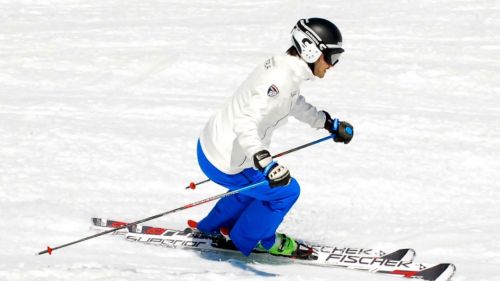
{"x": 305, "y": 112}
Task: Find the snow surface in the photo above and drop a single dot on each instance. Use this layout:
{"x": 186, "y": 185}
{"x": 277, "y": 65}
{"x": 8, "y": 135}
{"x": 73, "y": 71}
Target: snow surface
{"x": 101, "y": 103}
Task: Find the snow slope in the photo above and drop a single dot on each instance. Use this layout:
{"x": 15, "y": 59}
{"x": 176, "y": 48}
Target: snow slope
{"x": 101, "y": 103}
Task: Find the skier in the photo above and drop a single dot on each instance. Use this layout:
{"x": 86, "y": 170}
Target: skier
{"x": 233, "y": 147}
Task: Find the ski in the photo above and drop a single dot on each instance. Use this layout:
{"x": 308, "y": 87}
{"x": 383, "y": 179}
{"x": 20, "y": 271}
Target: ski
{"x": 188, "y": 239}
{"x": 395, "y": 263}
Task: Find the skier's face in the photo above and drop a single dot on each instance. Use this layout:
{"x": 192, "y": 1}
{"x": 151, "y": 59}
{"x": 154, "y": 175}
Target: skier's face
{"x": 321, "y": 66}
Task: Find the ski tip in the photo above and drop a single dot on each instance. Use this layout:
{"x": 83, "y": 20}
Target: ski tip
{"x": 192, "y": 224}
{"x": 406, "y": 254}
{"x": 410, "y": 254}
{"x": 448, "y": 272}
{"x": 439, "y": 272}
{"x": 49, "y": 250}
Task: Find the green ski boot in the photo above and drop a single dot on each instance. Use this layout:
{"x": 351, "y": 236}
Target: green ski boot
{"x": 283, "y": 246}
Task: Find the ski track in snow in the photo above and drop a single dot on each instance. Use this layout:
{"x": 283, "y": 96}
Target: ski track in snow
{"x": 101, "y": 103}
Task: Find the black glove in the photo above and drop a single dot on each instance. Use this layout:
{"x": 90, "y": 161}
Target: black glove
{"x": 342, "y": 130}
{"x": 276, "y": 175}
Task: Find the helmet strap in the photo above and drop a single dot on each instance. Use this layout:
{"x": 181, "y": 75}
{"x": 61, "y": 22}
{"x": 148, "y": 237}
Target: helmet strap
{"x": 311, "y": 66}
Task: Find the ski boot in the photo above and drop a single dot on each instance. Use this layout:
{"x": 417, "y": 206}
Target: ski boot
{"x": 287, "y": 247}
{"x": 283, "y": 246}
{"x": 219, "y": 239}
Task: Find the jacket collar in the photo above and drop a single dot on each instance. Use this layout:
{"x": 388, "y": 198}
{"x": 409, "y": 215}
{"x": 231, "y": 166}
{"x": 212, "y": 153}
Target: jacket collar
{"x": 300, "y": 68}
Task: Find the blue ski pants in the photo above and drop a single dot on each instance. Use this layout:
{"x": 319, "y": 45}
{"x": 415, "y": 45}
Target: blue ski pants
{"x": 252, "y": 216}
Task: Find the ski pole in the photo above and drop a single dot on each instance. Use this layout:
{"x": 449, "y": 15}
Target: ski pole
{"x": 303, "y": 146}
{"x": 222, "y": 195}
{"x": 193, "y": 185}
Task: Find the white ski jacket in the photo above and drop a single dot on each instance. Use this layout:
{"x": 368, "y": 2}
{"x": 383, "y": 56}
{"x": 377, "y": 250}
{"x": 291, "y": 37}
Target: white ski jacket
{"x": 261, "y": 104}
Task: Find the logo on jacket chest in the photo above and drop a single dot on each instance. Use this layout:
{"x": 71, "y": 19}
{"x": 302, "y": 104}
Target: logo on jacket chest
{"x": 273, "y": 91}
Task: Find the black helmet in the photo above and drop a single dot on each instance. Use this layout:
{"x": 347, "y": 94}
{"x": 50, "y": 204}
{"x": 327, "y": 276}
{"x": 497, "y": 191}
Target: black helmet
{"x": 314, "y": 36}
